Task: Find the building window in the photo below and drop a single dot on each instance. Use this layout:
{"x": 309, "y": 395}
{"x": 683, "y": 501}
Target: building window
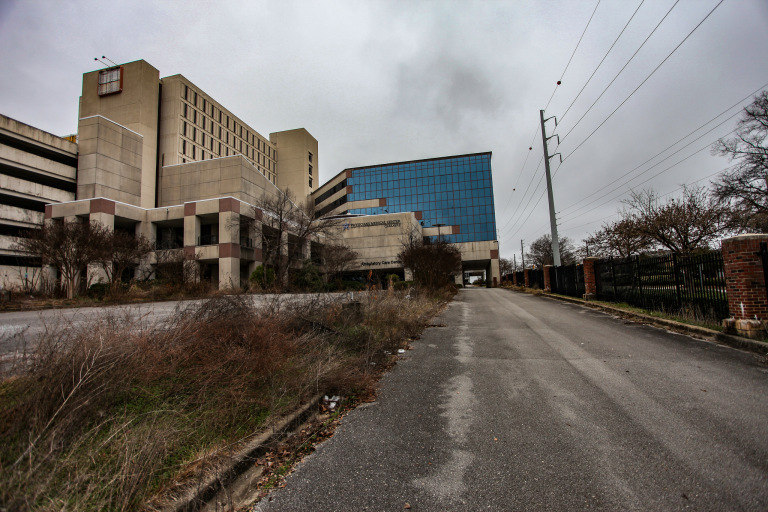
{"x": 184, "y": 128}
{"x": 110, "y": 81}
{"x": 185, "y": 111}
{"x": 183, "y": 147}
{"x": 193, "y": 152}
{"x": 310, "y": 169}
{"x": 186, "y": 92}
{"x": 195, "y": 98}
{"x": 310, "y": 182}
{"x": 310, "y": 159}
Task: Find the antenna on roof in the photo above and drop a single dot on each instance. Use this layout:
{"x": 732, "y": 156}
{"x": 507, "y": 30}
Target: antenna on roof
{"x": 104, "y": 63}
{"x": 110, "y": 60}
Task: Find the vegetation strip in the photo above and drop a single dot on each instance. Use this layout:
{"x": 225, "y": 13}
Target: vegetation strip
{"x": 120, "y": 414}
{"x": 245, "y": 459}
{"x": 758, "y": 347}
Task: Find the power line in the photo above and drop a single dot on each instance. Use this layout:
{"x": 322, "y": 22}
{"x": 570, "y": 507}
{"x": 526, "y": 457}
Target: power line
{"x": 562, "y": 75}
{"x": 621, "y": 70}
{"x": 645, "y": 80}
{"x": 514, "y": 213}
{"x": 642, "y": 182}
{"x": 601, "y": 61}
{"x": 663, "y": 195}
{"x": 520, "y": 174}
{"x": 650, "y": 159}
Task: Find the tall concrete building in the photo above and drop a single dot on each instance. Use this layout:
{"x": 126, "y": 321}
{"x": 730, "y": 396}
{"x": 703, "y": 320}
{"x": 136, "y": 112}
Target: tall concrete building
{"x": 162, "y": 158}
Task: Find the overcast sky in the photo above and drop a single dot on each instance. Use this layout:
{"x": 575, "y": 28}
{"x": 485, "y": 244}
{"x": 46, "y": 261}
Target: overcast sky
{"x": 379, "y": 82}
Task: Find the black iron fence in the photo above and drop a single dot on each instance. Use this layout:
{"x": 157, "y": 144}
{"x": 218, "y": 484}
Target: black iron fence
{"x": 670, "y": 283}
{"x": 567, "y": 280}
{"x": 536, "y": 278}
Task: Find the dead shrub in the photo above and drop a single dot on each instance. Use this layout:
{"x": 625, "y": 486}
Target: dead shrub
{"x": 121, "y": 415}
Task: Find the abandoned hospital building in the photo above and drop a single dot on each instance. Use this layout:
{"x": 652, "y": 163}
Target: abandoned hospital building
{"x": 161, "y": 158}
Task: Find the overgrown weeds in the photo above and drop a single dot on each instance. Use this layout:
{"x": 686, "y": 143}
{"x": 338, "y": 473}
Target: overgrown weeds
{"x": 119, "y": 415}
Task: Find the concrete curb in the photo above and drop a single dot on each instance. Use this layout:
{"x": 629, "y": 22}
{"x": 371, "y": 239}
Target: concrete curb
{"x": 196, "y": 498}
{"x": 758, "y": 347}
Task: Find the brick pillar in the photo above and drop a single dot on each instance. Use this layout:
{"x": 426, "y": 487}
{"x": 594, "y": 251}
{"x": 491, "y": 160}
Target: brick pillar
{"x": 590, "y": 282}
{"x": 229, "y": 244}
{"x": 547, "y": 278}
{"x": 191, "y": 238}
{"x": 745, "y": 285}
{"x": 514, "y": 278}
{"x": 527, "y": 278}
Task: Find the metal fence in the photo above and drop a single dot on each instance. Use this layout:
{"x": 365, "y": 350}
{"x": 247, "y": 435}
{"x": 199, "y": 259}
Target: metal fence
{"x": 520, "y": 277}
{"x": 567, "y": 280}
{"x": 670, "y": 283}
{"x": 536, "y": 278}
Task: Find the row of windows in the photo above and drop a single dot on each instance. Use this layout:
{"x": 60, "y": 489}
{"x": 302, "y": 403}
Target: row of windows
{"x": 215, "y": 146}
{"x": 452, "y": 191}
{"x": 207, "y": 108}
{"x": 328, "y": 193}
{"x": 248, "y": 143}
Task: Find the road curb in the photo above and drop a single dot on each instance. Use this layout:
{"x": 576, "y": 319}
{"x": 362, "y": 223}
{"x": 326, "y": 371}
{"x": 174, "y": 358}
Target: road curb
{"x": 243, "y": 460}
{"x": 758, "y": 347}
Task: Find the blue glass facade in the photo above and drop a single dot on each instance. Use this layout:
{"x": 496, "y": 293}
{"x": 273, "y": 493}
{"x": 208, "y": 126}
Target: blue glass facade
{"x": 449, "y": 191}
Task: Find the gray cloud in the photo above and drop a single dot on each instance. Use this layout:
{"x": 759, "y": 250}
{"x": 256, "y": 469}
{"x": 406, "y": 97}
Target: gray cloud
{"x": 386, "y": 81}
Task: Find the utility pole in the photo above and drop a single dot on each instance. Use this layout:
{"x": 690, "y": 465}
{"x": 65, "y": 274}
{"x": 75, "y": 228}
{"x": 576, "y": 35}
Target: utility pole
{"x": 552, "y": 219}
{"x": 514, "y": 261}
{"x": 522, "y": 252}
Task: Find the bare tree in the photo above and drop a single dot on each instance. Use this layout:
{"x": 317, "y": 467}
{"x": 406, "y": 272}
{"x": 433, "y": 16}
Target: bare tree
{"x": 620, "y": 238}
{"x": 286, "y": 229}
{"x": 506, "y": 267}
{"x": 541, "y": 251}
{"x": 337, "y": 258}
{"x": 745, "y": 187}
{"x": 683, "y": 224}
{"x": 119, "y": 251}
{"x": 67, "y": 246}
{"x": 433, "y": 262}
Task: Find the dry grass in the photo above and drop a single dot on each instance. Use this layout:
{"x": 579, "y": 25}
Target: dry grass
{"x": 118, "y": 416}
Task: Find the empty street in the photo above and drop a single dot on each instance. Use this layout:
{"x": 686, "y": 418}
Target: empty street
{"x": 517, "y": 402}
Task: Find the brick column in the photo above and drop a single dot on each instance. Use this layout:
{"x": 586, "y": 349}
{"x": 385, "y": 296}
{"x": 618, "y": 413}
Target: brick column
{"x": 527, "y": 278}
{"x": 590, "y": 282}
{"x": 229, "y": 244}
{"x": 547, "y": 278}
{"x": 514, "y": 278}
{"x": 745, "y": 285}
{"x": 191, "y": 237}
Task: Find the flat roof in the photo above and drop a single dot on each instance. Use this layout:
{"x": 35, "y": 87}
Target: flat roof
{"x": 416, "y": 161}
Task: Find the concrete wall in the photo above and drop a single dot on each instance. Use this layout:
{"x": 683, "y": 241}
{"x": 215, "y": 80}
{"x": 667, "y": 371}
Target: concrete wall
{"x": 293, "y": 150}
{"x": 229, "y": 176}
{"x": 378, "y": 239}
{"x": 110, "y": 161}
{"x": 135, "y": 108}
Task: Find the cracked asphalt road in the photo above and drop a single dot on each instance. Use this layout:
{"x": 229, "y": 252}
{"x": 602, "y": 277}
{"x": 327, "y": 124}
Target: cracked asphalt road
{"x": 525, "y": 403}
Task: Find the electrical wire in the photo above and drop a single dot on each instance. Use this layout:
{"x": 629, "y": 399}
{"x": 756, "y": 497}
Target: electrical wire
{"x": 621, "y": 70}
{"x": 601, "y": 61}
{"x": 644, "y": 80}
